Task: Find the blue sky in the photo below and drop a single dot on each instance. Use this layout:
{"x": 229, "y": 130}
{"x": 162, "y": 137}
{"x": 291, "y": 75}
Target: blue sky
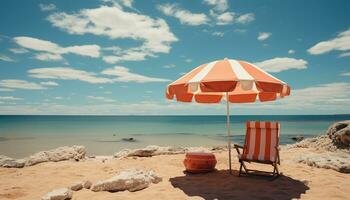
{"x": 117, "y": 56}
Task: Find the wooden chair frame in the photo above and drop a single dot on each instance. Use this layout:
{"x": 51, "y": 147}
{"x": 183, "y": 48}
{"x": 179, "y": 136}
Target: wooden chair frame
{"x": 247, "y": 171}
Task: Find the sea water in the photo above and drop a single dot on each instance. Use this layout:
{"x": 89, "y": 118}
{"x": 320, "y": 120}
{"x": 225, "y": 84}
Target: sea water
{"x": 104, "y": 135}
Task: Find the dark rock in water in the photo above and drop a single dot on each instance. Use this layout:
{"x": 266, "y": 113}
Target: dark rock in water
{"x": 298, "y": 138}
{"x": 114, "y": 135}
{"x": 339, "y": 133}
{"x": 129, "y": 139}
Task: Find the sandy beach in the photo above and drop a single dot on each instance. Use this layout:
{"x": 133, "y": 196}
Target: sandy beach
{"x": 298, "y": 181}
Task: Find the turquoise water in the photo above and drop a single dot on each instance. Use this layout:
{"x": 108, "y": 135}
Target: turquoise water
{"x": 24, "y": 135}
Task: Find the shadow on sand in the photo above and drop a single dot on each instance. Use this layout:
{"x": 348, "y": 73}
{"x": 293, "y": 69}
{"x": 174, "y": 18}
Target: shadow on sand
{"x": 220, "y": 185}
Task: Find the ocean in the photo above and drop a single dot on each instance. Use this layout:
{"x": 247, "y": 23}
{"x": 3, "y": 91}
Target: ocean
{"x": 21, "y": 136}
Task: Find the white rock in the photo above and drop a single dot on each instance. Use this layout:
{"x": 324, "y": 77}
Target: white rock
{"x": 151, "y": 150}
{"x": 87, "y": 184}
{"x": 10, "y": 162}
{"x": 77, "y": 186}
{"x": 55, "y": 155}
{"x": 121, "y": 154}
{"x": 132, "y": 180}
{"x": 59, "y": 194}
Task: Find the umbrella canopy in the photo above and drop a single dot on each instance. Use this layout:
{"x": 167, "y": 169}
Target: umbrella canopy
{"x": 239, "y": 81}
{"x": 244, "y": 82}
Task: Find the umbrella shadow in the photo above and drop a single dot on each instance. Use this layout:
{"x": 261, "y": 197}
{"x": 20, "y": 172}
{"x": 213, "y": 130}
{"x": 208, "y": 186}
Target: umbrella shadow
{"x": 221, "y": 185}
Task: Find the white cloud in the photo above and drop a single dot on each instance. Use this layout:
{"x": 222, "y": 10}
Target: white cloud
{"x": 53, "y": 50}
{"x": 240, "y": 31}
{"x": 19, "y": 50}
{"x": 127, "y": 3}
{"x": 279, "y": 64}
{"x": 66, "y": 73}
{"x": 185, "y": 16}
{"x": 49, "y": 83}
{"x": 115, "y": 23}
{"x": 20, "y": 84}
{"x": 10, "y": 98}
{"x": 48, "y": 57}
{"x": 6, "y": 58}
{"x": 218, "y": 34}
{"x": 245, "y": 18}
{"x": 224, "y": 18}
{"x": 129, "y": 55}
{"x": 346, "y": 54}
{"x": 324, "y": 96}
{"x": 169, "y": 66}
{"x": 47, "y": 7}
{"x": 263, "y": 36}
{"x": 340, "y": 43}
{"x": 98, "y": 98}
{"x": 219, "y": 5}
{"x": 123, "y": 74}
{"x": 291, "y": 51}
{"x": 118, "y": 3}
{"x": 345, "y": 74}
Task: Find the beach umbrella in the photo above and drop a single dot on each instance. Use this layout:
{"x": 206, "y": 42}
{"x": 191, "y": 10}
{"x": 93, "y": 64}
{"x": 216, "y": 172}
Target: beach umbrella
{"x": 233, "y": 80}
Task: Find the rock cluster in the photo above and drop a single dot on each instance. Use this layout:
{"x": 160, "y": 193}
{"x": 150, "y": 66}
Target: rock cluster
{"x": 319, "y": 143}
{"x": 329, "y": 151}
{"x": 54, "y": 155}
{"x": 154, "y": 150}
{"x": 131, "y": 180}
{"x": 329, "y": 160}
{"x": 339, "y": 133}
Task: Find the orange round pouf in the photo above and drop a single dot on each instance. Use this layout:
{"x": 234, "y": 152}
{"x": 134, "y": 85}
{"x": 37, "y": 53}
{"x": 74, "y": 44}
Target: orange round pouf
{"x": 199, "y": 162}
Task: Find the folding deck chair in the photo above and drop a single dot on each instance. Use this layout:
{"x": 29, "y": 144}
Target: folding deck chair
{"x": 260, "y": 146}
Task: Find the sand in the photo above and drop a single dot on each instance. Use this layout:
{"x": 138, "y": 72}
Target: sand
{"x": 298, "y": 181}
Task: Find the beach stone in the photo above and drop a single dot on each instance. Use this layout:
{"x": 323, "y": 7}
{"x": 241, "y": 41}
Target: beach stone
{"x": 319, "y": 143}
{"x": 339, "y": 133}
{"x": 338, "y": 161}
{"x": 298, "y": 138}
{"x": 131, "y": 180}
{"x": 11, "y": 162}
{"x": 121, "y": 154}
{"x": 77, "y": 186}
{"x": 62, "y": 153}
{"x": 151, "y": 150}
{"x": 87, "y": 184}
{"x": 59, "y": 194}
{"x": 129, "y": 139}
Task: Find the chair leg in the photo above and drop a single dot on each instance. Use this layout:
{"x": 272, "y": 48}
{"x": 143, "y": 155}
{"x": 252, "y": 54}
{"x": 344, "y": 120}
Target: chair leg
{"x": 278, "y": 173}
{"x": 240, "y": 169}
{"x": 275, "y": 170}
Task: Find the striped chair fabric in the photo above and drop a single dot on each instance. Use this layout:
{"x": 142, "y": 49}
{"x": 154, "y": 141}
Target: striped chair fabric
{"x": 261, "y": 141}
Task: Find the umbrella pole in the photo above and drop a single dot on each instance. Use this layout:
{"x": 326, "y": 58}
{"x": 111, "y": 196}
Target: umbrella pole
{"x": 228, "y": 131}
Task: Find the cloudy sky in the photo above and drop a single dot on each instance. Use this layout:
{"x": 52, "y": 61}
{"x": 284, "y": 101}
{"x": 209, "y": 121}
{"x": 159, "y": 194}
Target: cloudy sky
{"x": 117, "y": 56}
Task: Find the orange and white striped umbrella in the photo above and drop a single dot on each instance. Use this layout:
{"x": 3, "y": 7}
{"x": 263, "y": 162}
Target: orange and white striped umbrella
{"x": 244, "y": 82}
{"x": 239, "y": 81}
